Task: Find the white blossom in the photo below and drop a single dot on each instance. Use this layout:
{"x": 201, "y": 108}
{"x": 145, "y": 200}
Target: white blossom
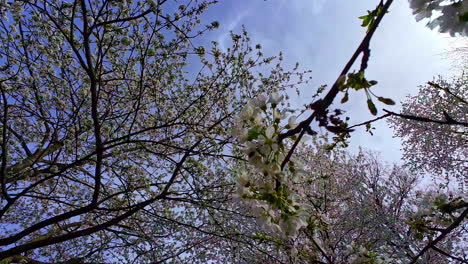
{"x": 276, "y": 229}
{"x": 275, "y": 99}
{"x": 270, "y": 132}
{"x": 292, "y": 121}
{"x": 247, "y": 112}
{"x": 449, "y": 21}
{"x": 261, "y": 100}
{"x": 265, "y": 155}
{"x": 277, "y": 115}
{"x": 294, "y": 224}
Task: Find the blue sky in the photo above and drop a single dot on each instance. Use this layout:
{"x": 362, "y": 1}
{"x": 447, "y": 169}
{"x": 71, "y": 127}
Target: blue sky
{"x": 322, "y": 35}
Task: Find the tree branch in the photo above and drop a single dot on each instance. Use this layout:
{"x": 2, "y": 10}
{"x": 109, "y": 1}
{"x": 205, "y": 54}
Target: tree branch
{"x": 443, "y": 234}
{"x": 448, "y": 121}
{"x": 320, "y": 106}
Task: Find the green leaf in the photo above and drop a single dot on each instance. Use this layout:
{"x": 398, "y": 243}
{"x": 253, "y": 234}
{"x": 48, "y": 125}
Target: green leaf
{"x": 345, "y": 98}
{"x": 358, "y": 81}
{"x": 463, "y": 17}
{"x": 360, "y": 75}
{"x": 386, "y": 101}
{"x": 371, "y": 107}
{"x": 369, "y": 19}
{"x": 253, "y": 134}
{"x": 366, "y": 20}
{"x": 6, "y": 261}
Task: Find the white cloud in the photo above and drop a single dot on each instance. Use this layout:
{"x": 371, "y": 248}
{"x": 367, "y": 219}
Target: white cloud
{"x": 231, "y": 25}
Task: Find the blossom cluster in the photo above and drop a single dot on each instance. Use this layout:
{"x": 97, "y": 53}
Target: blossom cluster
{"x": 360, "y": 254}
{"x": 453, "y": 15}
{"x": 437, "y": 149}
{"x": 436, "y": 209}
{"x": 264, "y": 185}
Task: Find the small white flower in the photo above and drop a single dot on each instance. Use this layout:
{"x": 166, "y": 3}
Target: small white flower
{"x": 272, "y": 170}
{"x": 293, "y": 225}
{"x": 362, "y": 250}
{"x": 349, "y": 249}
{"x": 277, "y": 115}
{"x": 275, "y": 99}
{"x": 257, "y": 119}
{"x": 264, "y": 221}
{"x": 261, "y": 101}
{"x": 3, "y": 3}
{"x": 251, "y": 103}
{"x": 274, "y": 147}
{"x": 276, "y": 229}
{"x": 448, "y": 22}
{"x": 240, "y": 191}
{"x": 153, "y": 5}
{"x": 250, "y": 148}
{"x": 238, "y": 131}
{"x": 247, "y": 112}
{"x": 270, "y": 136}
{"x": 298, "y": 222}
{"x": 256, "y": 160}
{"x": 305, "y": 138}
{"x": 292, "y": 122}
{"x": 270, "y": 132}
{"x": 294, "y": 251}
{"x": 257, "y": 208}
{"x": 265, "y": 150}
{"x": 242, "y": 179}
{"x": 284, "y": 226}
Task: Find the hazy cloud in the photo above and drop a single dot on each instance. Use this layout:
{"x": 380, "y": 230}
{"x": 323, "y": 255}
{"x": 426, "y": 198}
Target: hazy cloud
{"x": 322, "y": 35}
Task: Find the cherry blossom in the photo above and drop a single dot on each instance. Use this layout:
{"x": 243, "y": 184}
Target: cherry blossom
{"x": 436, "y": 148}
{"x": 452, "y": 19}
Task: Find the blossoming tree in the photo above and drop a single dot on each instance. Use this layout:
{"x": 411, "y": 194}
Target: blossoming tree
{"x": 271, "y": 190}
{"x": 328, "y": 208}
{"x": 113, "y": 143}
{"x": 438, "y": 144}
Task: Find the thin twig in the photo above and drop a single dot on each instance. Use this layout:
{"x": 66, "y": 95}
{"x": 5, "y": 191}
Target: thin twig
{"x": 448, "y": 121}
{"x": 443, "y": 234}
{"x": 371, "y": 121}
{"x": 320, "y": 106}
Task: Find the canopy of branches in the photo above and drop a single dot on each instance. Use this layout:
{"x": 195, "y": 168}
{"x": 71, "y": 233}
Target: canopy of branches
{"x": 123, "y": 141}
